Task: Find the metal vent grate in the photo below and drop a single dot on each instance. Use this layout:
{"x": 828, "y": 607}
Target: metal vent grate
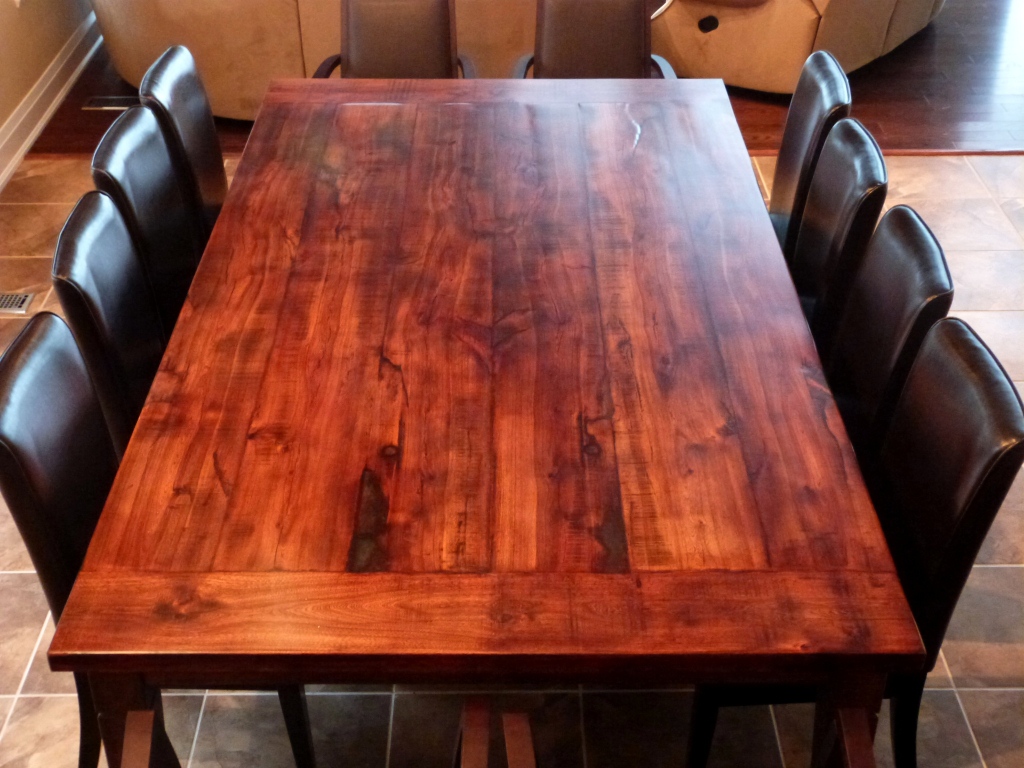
{"x": 15, "y": 303}
{"x": 112, "y": 103}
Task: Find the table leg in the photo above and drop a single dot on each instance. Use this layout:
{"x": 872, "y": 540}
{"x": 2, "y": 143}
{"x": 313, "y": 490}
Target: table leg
{"x": 116, "y": 695}
{"x": 845, "y": 721}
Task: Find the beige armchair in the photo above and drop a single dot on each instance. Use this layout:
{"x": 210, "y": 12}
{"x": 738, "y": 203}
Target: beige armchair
{"x": 240, "y": 45}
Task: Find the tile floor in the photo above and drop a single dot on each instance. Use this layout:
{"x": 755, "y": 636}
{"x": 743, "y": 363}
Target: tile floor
{"x": 973, "y": 712}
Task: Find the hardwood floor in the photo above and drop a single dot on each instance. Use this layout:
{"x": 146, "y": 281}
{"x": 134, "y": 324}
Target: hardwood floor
{"x": 956, "y": 86}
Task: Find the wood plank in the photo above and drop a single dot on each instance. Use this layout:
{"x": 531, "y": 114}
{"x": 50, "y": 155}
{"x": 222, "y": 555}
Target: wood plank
{"x": 306, "y": 624}
{"x": 557, "y": 504}
{"x": 438, "y": 341}
{"x": 504, "y": 380}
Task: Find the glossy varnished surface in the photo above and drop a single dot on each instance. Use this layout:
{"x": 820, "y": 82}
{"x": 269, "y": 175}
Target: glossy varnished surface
{"x": 476, "y": 371}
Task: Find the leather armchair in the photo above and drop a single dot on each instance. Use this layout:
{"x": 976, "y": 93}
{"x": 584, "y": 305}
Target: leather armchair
{"x": 109, "y": 305}
{"x": 173, "y": 89}
{"x": 593, "y": 38}
{"x": 372, "y": 29}
{"x": 134, "y": 166}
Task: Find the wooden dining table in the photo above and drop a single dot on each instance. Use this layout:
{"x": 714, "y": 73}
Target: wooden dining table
{"x": 491, "y": 381}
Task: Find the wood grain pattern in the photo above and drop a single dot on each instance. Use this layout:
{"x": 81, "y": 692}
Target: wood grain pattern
{"x": 478, "y": 371}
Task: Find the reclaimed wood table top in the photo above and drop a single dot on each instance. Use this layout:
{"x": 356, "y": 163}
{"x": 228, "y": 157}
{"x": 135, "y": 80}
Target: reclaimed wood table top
{"x": 490, "y": 380}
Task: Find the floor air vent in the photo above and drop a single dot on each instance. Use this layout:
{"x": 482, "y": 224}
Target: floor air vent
{"x": 15, "y": 303}
{"x": 111, "y": 103}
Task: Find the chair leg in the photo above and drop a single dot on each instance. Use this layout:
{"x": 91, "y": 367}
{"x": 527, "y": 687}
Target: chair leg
{"x": 702, "y": 727}
{"x": 296, "y": 720}
{"x": 904, "y": 708}
{"x": 89, "y": 739}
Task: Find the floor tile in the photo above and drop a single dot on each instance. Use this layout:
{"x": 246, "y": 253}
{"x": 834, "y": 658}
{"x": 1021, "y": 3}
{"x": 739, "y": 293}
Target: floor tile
{"x": 242, "y": 730}
{"x": 27, "y": 275}
{"x": 425, "y": 728}
{"x": 42, "y": 732}
{"x": 1014, "y": 210}
{"x": 626, "y": 729}
{"x": 349, "y": 688}
{"x": 181, "y": 716}
{"x": 31, "y": 230}
{"x": 987, "y": 280}
{"x": 350, "y": 730}
{"x": 49, "y": 179}
{"x": 939, "y": 677}
{"x": 40, "y": 679}
{"x": 24, "y": 609}
{"x": 943, "y": 737}
{"x": 745, "y": 738}
{"x": 13, "y": 555}
{"x": 52, "y": 304}
{"x": 977, "y": 224}
{"x": 997, "y": 719}
{"x": 1002, "y": 174}
{"x": 935, "y": 177}
{"x": 760, "y": 182}
{"x": 1003, "y": 332}
{"x": 766, "y": 165}
{"x": 231, "y": 166}
{"x": 1004, "y": 544}
{"x": 5, "y": 707}
{"x": 984, "y": 644}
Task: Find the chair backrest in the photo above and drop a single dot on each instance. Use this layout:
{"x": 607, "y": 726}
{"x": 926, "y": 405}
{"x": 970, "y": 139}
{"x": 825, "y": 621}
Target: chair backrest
{"x": 843, "y": 205}
{"x": 902, "y": 288}
{"x": 821, "y": 99}
{"x": 57, "y": 462}
{"x": 592, "y": 38}
{"x": 399, "y": 39}
{"x": 109, "y": 305}
{"x": 133, "y": 165}
{"x": 949, "y": 456}
{"x": 174, "y": 90}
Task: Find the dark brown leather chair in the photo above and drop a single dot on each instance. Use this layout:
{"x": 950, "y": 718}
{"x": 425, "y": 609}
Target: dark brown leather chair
{"x": 843, "y": 204}
{"x": 57, "y": 464}
{"x": 903, "y": 287}
{"x": 593, "y": 38}
{"x": 173, "y": 89}
{"x": 821, "y": 99}
{"x": 133, "y": 165}
{"x": 109, "y": 305}
{"x": 948, "y": 458}
{"x": 397, "y": 39}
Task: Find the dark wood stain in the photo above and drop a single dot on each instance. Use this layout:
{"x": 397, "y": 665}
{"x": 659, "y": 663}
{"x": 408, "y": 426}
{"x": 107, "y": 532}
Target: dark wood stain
{"x": 490, "y": 379}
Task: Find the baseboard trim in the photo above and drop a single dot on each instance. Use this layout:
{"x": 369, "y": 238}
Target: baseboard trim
{"x": 32, "y": 114}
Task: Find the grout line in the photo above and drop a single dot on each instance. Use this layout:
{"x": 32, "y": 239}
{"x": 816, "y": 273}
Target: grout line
{"x": 494, "y": 691}
{"x": 963, "y": 711}
{"x": 583, "y": 728}
{"x": 970, "y": 728}
{"x": 391, "y": 728}
{"x": 778, "y": 739}
{"x": 983, "y": 689}
{"x": 15, "y": 573}
{"x": 984, "y": 184}
{"x": 24, "y": 676}
{"x": 999, "y": 565}
{"x": 195, "y": 736}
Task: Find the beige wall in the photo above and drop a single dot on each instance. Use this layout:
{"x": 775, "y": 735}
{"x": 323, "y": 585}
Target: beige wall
{"x": 32, "y": 33}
